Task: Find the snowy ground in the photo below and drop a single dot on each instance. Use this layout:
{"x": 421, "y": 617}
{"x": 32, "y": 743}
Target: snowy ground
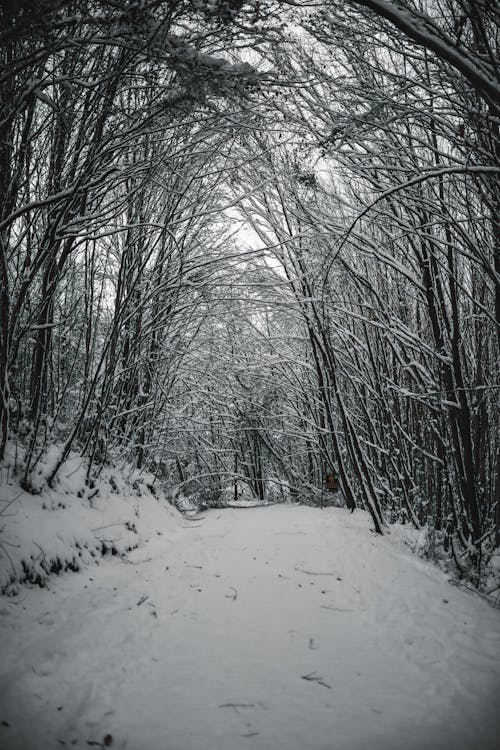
{"x": 284, "y": 627}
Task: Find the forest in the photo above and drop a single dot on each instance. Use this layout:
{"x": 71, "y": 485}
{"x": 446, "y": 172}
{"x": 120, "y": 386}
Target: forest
{"x": 249, "y": 374}
{"x": 245, "y": 243}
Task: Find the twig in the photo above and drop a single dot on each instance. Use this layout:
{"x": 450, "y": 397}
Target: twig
{"x": 42, "y": 551}
{"x": 100, "y": 528}
{"x": 491, "y": 591}
{"x": 142, "y": 600}
{"x": 9, "y": 558}
{"x": 485, "y": 597}
{"x": 336, "y": 609}
{"x": 237, "y": 705}
{"x": 133, "y": 562}
{"x": 8, "y": 503}
{"x": 74, "y": 470}
{"x": 313, "y": 678}
{"x": 313, "y": 573}
{"x": 10, "y": 544}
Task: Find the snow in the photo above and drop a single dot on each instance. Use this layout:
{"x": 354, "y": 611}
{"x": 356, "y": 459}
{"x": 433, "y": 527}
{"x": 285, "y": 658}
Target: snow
{"x": 281, "y": 627}
{"x": 71, "y": 525}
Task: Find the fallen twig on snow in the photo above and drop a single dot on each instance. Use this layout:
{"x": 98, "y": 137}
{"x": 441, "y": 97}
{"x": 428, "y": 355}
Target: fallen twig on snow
{"x": 313, "y": 573}
{"x": 5, "y": 552}
{"x": 135, "y": 562}
{"x": 8, "y": 503}
{"x": 460, "y": 585}
{"x": 109, "y": 525}
{"x": 237, "y": 705}
{"x": 336, "y": 609}
{"x": 312, "y": 677}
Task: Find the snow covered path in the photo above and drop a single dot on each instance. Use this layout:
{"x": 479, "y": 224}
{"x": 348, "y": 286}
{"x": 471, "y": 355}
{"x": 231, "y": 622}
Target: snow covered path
{"x": 284, "y": 627}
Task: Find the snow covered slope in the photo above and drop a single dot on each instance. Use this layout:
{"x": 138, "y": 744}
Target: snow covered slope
{"x": 272, "y": 628}
{"x": 74, "y": 525}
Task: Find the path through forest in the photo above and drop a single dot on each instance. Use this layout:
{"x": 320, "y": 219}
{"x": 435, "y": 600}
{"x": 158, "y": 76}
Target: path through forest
{"x": 283, "y": 627}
